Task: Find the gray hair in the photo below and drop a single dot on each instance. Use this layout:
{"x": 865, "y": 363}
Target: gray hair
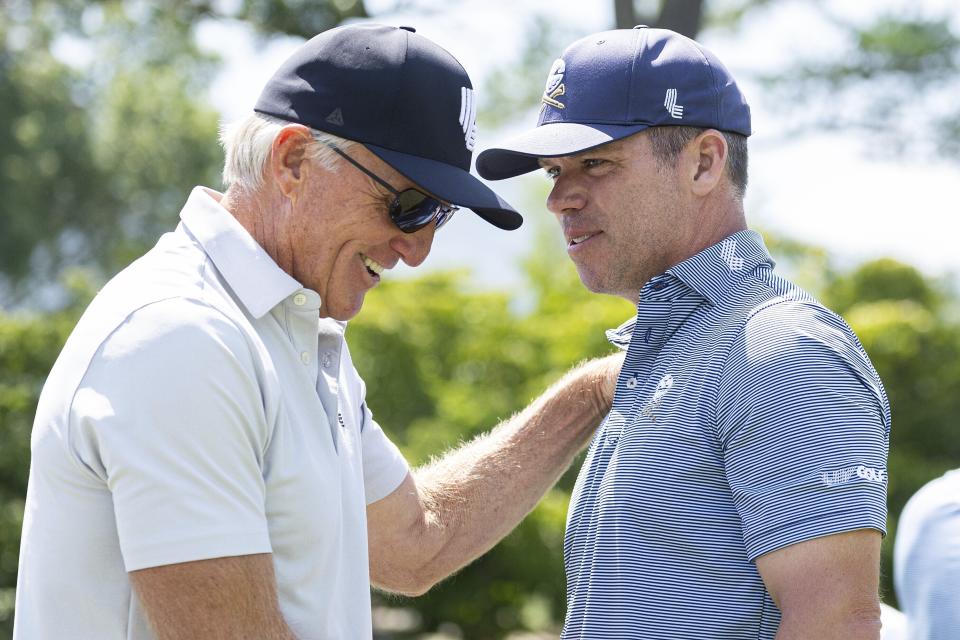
{"x": 247, "y": 142}
{"x": 668, "y": 141}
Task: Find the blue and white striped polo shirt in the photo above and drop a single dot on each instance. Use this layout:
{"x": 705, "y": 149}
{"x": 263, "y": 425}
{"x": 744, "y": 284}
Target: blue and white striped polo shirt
{"x": 747, "y": 417}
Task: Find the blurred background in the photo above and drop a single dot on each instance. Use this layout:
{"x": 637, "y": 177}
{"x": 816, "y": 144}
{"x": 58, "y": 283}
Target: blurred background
{"x": 108, "y": 116}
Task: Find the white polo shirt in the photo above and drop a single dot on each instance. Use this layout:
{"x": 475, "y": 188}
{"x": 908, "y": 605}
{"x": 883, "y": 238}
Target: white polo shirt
{"x": 201, "y": 409}
{"x": 926, "y": 559}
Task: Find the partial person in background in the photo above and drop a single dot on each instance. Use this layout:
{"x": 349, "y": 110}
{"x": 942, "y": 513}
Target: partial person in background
{"x": 204, "y": 462}
{"x": 926, "y": 560}
{"x": 738, "y": 487}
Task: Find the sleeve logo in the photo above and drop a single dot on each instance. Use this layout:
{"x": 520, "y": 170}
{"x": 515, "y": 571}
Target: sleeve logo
{"x": 843, "y": 476}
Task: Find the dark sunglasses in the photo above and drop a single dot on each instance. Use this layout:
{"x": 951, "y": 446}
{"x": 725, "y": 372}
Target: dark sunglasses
{"x": 410, "y": 209}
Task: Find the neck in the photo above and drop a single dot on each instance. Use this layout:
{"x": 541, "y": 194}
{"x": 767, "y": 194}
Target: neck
{"x": 261, "y": 216}
{"x": 715, "y": 219}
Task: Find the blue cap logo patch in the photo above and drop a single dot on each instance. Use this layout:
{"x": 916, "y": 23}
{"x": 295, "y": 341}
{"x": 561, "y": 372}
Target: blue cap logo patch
{"x": 555, "y": 87}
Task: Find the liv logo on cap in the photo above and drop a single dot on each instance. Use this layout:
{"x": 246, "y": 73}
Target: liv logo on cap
{"x": 670, "y": 102}
{"x": 468, "y": 117}
{"x": 616, "y": 83}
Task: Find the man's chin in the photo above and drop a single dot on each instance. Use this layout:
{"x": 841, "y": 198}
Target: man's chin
{"x": 340, "y": 311}
{"x": 591, "y": 280}
{"x": 596, "y": 284}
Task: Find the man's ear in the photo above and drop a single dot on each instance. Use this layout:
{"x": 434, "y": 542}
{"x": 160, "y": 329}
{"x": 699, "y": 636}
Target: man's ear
{"x": 288, "y": 158}
{"x": 706, "y": 157}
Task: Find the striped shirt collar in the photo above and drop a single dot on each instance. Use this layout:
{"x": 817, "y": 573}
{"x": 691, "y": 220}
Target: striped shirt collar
{"x": 257, "y": 281}
{"x": 707, "y": 275}
{"x": 713, "y": 271}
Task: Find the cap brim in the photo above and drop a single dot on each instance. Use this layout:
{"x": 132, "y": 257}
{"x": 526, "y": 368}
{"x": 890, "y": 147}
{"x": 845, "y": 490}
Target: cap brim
{"x": 454, "y": 185}
{"x": 519, "y": 155}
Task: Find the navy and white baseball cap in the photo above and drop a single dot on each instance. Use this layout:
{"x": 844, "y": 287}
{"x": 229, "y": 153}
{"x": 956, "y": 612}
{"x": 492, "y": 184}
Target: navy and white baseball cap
{"x": 404, "y": 97}
{"x": 616, "y": 83}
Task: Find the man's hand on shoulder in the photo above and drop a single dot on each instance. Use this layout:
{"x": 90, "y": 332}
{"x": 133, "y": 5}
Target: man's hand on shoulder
{"x": 449, "y": 512}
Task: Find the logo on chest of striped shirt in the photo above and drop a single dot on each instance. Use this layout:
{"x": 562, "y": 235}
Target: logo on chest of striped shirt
{"x": 665, "y": 384}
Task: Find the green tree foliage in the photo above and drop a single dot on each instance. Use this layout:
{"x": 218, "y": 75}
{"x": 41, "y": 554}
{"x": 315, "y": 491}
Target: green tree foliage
{"x": 101, "y": 141}
{"x": 96, "y": 159}
{"x": 44, "y": 141}
{"x": 895, "y": 83}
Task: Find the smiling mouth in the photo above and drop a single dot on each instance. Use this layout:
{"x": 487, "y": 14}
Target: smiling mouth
{"x": 575, "y": 241}
{"x": 374, "y": 268}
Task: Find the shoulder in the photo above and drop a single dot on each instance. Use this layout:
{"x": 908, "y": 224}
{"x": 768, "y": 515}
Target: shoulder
{"x": 794, "y": 325}
{"x": 792, "y": 343}
{"x": 174, "y": 338}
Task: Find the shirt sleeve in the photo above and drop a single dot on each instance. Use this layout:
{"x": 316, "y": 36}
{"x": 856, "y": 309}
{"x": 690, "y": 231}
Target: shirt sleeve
{"x": 804, "y": 425}
{"x": 384, "y": 467}
{"x": 171, "y": 417}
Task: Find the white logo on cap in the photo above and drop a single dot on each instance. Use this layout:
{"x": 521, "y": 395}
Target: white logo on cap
{"x": 555, "y": 87}
{"x": 670, "y": 102}
{"x": 468, "y": 117}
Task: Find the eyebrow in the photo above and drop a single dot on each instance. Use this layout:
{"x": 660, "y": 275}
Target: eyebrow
{"x": 544, "y": 162}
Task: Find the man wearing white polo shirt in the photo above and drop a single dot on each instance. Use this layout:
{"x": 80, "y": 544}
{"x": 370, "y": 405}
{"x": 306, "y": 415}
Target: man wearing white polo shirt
{"x": 737, "y": 488}
{"x": 204, "y": 463}
{"x": 926, "y": 560}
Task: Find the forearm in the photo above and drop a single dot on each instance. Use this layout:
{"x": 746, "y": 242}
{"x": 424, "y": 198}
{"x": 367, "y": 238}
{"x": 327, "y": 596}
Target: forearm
{"x": 476, "y": 494}
{"x": 231, "y": 597}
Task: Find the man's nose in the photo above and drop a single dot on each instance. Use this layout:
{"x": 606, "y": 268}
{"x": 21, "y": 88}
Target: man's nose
{"x": 566, "y": 196}
{"x": 414, "y": 247}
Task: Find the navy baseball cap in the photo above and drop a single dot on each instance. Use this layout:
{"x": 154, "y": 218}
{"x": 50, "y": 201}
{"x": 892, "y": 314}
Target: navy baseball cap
{"x": 404, "y": 97}
{"x": 616, "y": 83}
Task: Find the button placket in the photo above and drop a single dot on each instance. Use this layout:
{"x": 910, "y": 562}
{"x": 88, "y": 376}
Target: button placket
{"x": 300, "y": 319}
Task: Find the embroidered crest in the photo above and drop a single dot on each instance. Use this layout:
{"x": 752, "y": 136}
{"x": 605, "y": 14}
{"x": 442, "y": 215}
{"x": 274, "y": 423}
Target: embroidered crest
{"x": 555, "y": 86}
{"x": 666, "y": 382}
{"x": 468, "y": 117}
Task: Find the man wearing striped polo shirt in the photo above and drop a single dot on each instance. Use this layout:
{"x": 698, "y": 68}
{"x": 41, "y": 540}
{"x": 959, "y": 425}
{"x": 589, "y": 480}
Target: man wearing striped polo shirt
{"x": 737, "y": 487}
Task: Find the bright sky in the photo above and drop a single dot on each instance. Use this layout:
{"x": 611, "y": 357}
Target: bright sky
{"x": 822, "y": 189}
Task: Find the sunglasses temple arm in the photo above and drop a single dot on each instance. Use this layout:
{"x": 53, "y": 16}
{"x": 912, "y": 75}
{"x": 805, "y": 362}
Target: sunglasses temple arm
{"x": 337, "y": 150}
